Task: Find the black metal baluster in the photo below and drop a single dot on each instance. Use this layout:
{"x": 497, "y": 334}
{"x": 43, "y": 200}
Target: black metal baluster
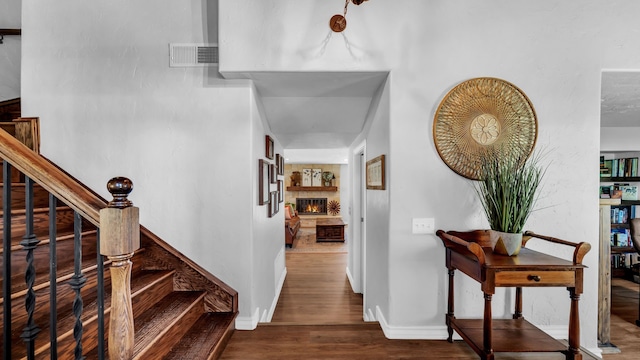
{"x": 77, "y": 282}
{"x": 100, "y": 299}
{"x": 29, "y": 243}
{"x": 53, "y": 276}
{"x": 6, "y": 258}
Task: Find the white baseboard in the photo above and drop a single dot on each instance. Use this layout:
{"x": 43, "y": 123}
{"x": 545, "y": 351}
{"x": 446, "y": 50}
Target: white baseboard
{"x": 279, "y": 286}
{"x": 248, "y": 322}
{"x": 369, "y": 316}
{"x": 413, "y": 332}
{"x": 354, "y": 287}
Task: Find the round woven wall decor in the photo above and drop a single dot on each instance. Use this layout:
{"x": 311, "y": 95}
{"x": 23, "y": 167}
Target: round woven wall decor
{"x": 483, "y": 117}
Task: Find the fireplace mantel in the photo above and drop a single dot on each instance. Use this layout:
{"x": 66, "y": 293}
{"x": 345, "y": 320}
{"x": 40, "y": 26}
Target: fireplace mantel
{"x": 312, "y": 188}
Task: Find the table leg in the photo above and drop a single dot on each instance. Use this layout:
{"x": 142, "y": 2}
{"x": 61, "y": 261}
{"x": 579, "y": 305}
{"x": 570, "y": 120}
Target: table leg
{"x": 487, "y": 329}
{"x": 573, "y": 352}
{"x": 518, "y": 311}
{"x": 450, "y": 314}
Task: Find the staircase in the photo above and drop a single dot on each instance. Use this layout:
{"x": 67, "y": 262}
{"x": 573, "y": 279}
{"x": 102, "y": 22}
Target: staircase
{"x": 180, "y": 311}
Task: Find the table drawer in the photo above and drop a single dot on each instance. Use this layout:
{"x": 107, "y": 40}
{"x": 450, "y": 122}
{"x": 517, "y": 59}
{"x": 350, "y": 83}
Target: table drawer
{"x": 535, "y": 278}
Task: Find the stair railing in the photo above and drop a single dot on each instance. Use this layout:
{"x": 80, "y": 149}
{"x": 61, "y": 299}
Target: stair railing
{"x": 118, "y": 236}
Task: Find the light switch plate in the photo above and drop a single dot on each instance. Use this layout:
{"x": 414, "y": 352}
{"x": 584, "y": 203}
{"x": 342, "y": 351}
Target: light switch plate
{"x": 423, "y": 226}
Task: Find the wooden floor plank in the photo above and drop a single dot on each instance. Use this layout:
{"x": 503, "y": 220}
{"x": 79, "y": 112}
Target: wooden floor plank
{"x": 624, "y": 312}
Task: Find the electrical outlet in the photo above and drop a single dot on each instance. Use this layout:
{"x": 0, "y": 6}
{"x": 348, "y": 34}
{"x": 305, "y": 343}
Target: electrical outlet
{"x": 423, "y": 226}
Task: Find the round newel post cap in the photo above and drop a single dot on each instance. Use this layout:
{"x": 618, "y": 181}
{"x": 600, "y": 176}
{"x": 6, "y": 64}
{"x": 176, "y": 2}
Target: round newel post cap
{"x": 120, "y": 187}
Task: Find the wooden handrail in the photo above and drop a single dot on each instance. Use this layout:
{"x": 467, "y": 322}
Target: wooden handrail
{"x": 51, "y": 178}
{"x": 581, "y": 249}
{"x": 463, "y": 246}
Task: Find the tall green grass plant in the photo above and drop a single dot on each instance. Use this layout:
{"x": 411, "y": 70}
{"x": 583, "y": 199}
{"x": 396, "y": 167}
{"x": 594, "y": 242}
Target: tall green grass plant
{"x": 508, "y": 190}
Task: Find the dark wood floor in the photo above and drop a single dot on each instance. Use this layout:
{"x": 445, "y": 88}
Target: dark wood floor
{"x": 319, "y": 317}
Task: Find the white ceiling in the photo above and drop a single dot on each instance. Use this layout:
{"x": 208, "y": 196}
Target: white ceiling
{"x": 620, "y": 106}
{"x": 324, "y": 111}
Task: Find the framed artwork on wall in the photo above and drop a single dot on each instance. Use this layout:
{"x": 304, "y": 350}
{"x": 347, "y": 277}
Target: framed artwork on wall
{"x": 306, "y": 177}
{"x": 263, "y": 182}
{"x": 273, "y": 203}
{"x": 273, "y": 172}
{"x": 269, "y": 147}
{"x": 280, "y": 191}
{"x": 375, "y": 173}
{"x": 280, "y": 164}
{"x": 316, "y": 177}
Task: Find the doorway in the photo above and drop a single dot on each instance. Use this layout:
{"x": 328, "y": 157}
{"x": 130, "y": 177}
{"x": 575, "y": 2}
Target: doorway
{"x": 618, "y": 299}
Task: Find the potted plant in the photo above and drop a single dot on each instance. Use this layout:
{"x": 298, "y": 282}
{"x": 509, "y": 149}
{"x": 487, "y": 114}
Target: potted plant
{"x": 508, "y": 192}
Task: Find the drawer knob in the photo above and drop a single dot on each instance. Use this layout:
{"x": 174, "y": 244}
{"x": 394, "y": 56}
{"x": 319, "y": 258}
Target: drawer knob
{"x": 535, "y": 278}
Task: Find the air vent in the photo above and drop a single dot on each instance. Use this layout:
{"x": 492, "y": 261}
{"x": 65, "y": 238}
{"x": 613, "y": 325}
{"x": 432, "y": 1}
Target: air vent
{"x": 188, "y": 55}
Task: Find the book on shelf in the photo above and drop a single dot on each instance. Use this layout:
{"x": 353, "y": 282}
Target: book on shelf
{"x": 624, "y": 167}
{"x": 620, "y": 237}
{"x": 619, "y": 215}
{"x": 605, "y": 167}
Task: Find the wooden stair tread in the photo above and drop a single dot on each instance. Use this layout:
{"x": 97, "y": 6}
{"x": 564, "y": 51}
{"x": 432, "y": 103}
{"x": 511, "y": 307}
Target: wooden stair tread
{"x": 162, "y": 315}
{"x": 206, "y": 338}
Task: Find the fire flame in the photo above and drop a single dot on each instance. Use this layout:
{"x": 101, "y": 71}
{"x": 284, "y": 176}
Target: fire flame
{"x": 312, "y": 209}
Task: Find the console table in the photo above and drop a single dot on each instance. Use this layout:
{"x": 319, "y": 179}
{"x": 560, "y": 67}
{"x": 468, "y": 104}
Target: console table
{"x": 329, "y": 229}
{"x": 470, "y": 252}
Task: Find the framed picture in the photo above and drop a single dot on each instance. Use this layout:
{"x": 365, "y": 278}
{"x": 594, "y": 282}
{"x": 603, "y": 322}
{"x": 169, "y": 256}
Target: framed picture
{"x": 273, "y": 203}
{"x": 263, "y": 182}
{"x": 375, "y": 173}
{"x": 280, "y": 164}
{"x": 269, "y": 147}
{"x": 306, "y": 177}
{"x": 273, "y": 173}
{"x": 280, "y": 191}
{"x": 316, "y": 177}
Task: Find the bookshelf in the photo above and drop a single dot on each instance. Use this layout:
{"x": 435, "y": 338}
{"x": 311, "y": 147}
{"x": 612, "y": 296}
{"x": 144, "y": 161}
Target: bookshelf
{"x": 619, "y": 181}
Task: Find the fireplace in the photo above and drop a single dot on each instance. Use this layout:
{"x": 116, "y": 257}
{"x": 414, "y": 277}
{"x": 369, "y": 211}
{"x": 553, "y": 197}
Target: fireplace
{"x": 311, "y": 206}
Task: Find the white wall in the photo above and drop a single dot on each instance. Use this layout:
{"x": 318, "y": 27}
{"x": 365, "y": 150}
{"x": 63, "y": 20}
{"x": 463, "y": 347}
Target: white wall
{"x": 10, "y": 50}
{"x": 553, "y": 50}
{"x": 97, "y": 75}
{"x": 267, "y": 261}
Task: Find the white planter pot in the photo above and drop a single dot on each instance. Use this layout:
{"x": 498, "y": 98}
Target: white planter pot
{"x": 506, "y": 243}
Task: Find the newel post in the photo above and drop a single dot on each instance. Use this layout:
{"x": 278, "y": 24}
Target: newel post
{"x": 119, "y": 239}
